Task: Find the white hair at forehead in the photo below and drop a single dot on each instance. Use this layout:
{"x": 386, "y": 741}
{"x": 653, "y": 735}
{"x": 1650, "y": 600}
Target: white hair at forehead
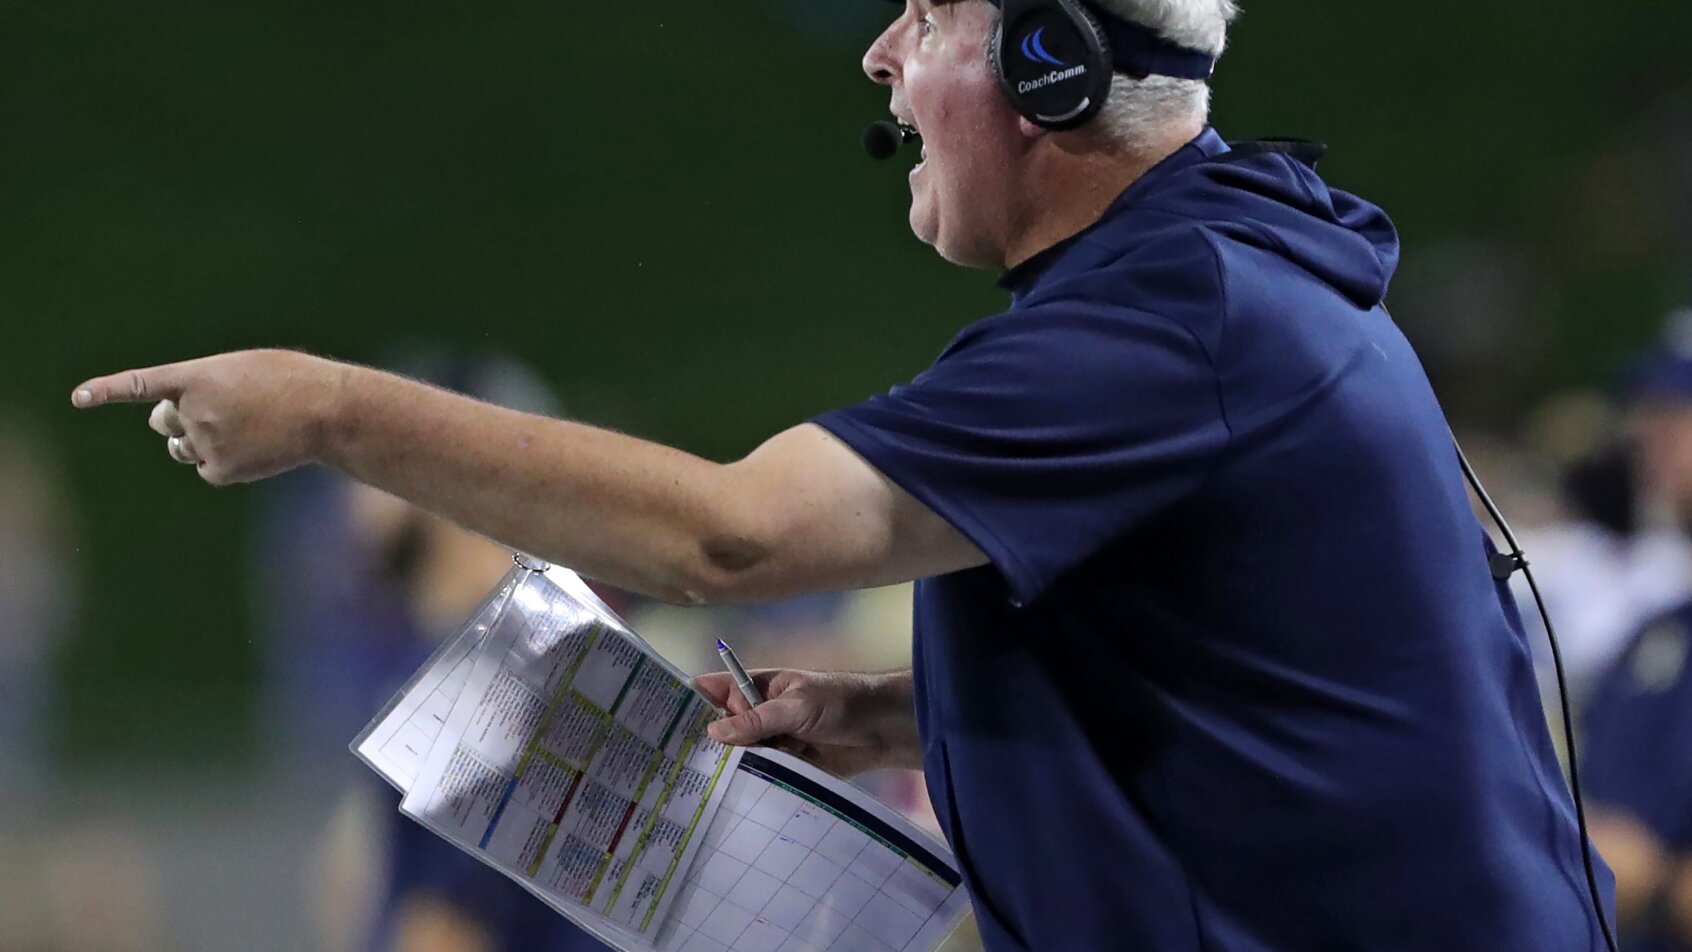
{"x": 1195, "y": 24}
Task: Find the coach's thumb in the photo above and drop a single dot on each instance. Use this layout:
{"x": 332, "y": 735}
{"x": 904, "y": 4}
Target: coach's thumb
{"x": 770, "y": 719}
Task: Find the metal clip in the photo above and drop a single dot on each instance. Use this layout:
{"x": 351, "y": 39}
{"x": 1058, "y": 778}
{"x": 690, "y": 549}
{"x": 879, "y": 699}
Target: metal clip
{"x": 526, "y": 561}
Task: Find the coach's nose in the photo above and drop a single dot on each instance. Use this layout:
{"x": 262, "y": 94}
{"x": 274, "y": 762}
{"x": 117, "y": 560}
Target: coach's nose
{"x": 881, "y": 63}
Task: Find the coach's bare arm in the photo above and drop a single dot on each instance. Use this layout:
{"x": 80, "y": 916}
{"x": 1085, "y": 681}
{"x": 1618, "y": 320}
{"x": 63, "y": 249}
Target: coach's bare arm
{"x": 801, "y": 513}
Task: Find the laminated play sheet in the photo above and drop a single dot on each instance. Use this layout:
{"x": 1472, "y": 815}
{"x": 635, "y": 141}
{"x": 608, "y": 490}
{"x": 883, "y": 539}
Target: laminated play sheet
{"x": 552, "y": 743}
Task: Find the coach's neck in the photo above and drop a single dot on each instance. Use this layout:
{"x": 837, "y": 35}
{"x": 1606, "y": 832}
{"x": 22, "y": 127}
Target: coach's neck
{"x": 1073, "y": 178}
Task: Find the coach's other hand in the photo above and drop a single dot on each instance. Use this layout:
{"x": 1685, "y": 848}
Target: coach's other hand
{"x": 843, "y": 723}
{"x": 235, "y": 417}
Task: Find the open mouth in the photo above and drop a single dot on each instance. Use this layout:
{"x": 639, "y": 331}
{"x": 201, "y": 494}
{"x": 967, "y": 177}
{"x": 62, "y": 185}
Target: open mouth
{"x": 909, "y": 132}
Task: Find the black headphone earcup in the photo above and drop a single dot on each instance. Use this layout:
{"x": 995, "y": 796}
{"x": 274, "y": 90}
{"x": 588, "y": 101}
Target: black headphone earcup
{"x": 1052, "y": 60}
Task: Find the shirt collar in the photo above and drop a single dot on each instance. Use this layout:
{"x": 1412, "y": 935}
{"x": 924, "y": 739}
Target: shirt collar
{"x": 1023, "y": 278}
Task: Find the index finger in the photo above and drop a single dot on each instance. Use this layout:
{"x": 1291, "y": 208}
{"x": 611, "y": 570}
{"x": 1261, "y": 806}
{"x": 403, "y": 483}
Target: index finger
{"x": 719, "y": 686}
{"x": 131, "y": 386}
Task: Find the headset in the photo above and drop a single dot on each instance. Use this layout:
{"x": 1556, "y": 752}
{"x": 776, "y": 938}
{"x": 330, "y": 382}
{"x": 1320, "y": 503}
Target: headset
{"x": 1054, "y": 59}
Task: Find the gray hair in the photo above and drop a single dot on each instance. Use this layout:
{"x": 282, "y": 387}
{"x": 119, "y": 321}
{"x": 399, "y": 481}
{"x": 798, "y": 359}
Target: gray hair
{"x": 1135, "y": 106}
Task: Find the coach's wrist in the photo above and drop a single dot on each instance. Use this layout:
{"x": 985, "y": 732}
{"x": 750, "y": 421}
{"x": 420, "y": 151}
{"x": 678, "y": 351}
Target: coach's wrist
{"x": 332, "y": 403}
{"x": 889, "y": 702}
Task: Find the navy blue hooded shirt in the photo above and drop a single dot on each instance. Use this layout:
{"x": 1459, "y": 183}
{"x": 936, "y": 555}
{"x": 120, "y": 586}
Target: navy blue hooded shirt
{"x": 1237, "y": 677}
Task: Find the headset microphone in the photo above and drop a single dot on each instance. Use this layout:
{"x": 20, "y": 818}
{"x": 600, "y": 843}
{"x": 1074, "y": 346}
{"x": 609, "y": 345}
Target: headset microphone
{"x": 883, "y": 139}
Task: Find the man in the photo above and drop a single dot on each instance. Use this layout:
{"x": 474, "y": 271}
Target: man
{"x": 1637, "y": 766}
{"x": 1636, "y": 746}
{"x": 1620, "y": 555}
{"x": 366, "y": 588}
{"x": 1208, "y": 652}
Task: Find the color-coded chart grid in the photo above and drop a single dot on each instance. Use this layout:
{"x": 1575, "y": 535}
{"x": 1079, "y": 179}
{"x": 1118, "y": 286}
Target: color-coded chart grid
{"x": 789, "y": 867}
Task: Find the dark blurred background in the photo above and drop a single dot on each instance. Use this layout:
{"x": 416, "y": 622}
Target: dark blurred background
{"x": 663, "y": 211}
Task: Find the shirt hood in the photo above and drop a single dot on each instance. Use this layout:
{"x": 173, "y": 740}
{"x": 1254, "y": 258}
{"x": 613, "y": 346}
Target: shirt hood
{"x": 1264, "y": 194}
{"x": 1270, "y": 195}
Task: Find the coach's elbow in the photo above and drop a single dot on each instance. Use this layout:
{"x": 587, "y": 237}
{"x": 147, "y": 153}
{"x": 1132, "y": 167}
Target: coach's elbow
{"x": 714, "y": 570}
{"x": 748, "y": 541}
{"x": 736, "y": 557}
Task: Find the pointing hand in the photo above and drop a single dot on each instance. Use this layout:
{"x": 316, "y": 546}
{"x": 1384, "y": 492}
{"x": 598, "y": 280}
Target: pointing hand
{"x": 235, "y": 417}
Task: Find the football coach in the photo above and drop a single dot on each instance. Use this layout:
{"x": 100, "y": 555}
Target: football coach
{"x": 1208, "y": 653}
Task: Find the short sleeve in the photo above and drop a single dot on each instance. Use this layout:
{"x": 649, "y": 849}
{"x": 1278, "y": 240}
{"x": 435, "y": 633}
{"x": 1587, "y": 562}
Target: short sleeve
{"x": 1045, "y": 433}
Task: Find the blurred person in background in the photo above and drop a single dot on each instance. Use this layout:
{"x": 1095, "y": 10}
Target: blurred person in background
{"x": 367, "y": 586}
{"x": 38, "y": 593}
{"x": 1607, "y": 547}
{"x": 435, "y": 897}
{"x": 55, "y": 852}
{"x": 1636, "y": 771}
{"x": 1636, "y": 745}
{"x": 38, "y": 598}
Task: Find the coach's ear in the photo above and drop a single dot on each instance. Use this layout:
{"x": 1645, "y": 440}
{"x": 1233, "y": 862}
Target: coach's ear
{"x": 1030, "y": 129}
